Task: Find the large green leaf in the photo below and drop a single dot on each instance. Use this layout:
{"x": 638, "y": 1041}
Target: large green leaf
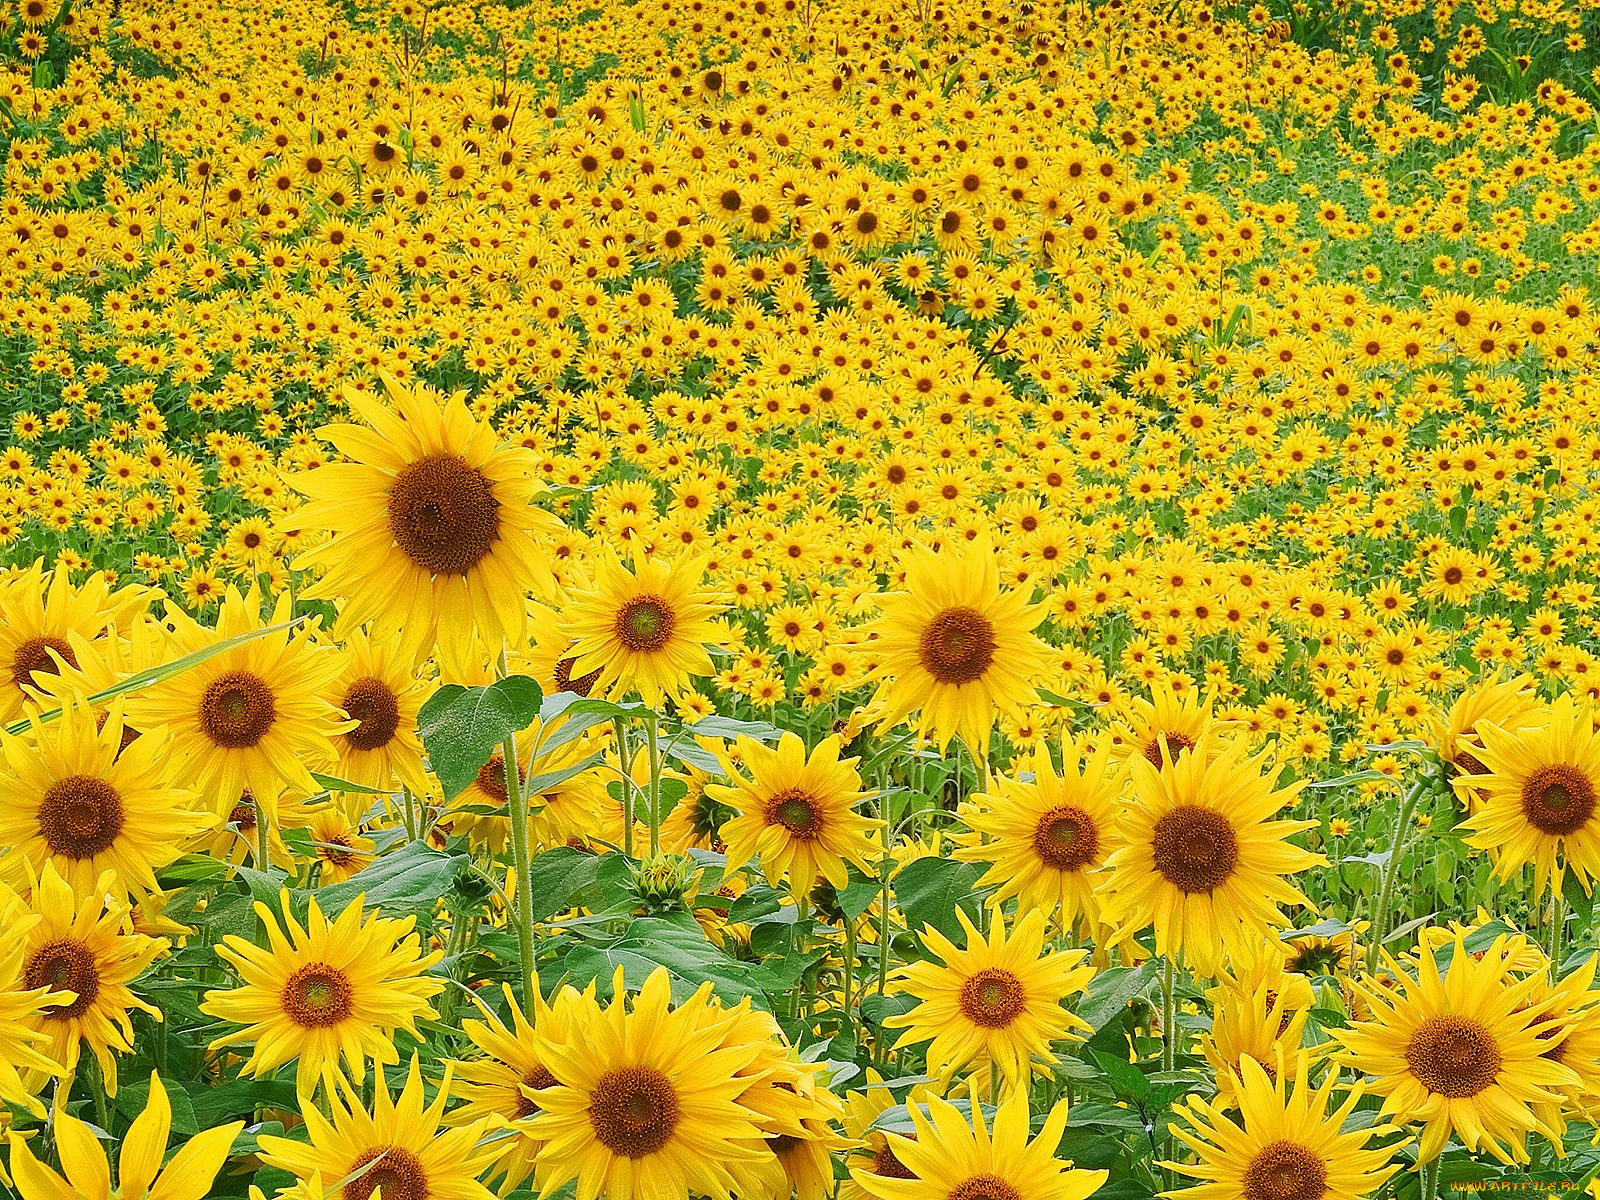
{"x": 680, "y": 946}
{"x": 411, "y": 879}
{"x": 559, "y": 876}
{"x": 461, "y": 727}
{"x": 1109, "y": 992}
{"x": 931, "y": 889}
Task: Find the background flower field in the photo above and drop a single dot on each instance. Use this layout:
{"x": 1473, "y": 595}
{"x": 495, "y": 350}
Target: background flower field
{"x": 1033, "y": 567}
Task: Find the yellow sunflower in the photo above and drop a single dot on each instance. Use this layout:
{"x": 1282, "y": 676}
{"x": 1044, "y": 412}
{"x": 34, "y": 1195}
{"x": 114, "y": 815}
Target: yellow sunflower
{"x": 325, "y": 991}
{"x": 795, "y": 812}
{"x": 1046, "y": 839}
{"x": 1287, "y": 1140}
{"x": 999, "y": 1000}
{"x": 20, "y": 1009}
{"x": 1512, "y": 704}
{"x": 1200, "y": 858}
{"x": 397, "y": 1149}
{"x": 74, "y": 797}
{"x": 381, "y": 693}
{"x": 253, "y": 716}
{"x": 338, "y": 846}
{"x": 1176, "y": 720}
{"x": 38, "y": 616}
{"x": 79, "y": 946}
{"x": 1462, "y": 1053}
{"x": 1255, "y": 1017}
{"x": 645, "y": 1105}
{"x": 644, "y": 631}
{"x": 1573, "y": 1040}
{"x": 435, "y": 533}
{"x": 955, "y": 646}
{"x": 1541, "y": 797}
{"x": 947, "y": 1157}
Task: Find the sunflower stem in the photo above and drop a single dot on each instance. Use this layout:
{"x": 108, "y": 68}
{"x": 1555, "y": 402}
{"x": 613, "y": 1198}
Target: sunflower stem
{"x": 521, "y": 857}
{"x": 1169, "y": 1043}
{"x": 655, "y": 784}
{"x": 1558, "y": 918}
{"x": 849, "y": 969}
{"x": 620, "y": 728}
{"x": 1391, "y": 870}
{"x": 1430, "y": 1178}
{"x": 263, "y": 837}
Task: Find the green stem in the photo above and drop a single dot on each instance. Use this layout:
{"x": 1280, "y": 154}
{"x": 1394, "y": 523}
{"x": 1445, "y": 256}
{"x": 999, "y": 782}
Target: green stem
{"x": 655, "y": 785}
{"x": 1169, "y": 1043}
{"x": 849, "y": 969}
{"x": 621, "y": 730}
{"x": 1430, "y": 1179}
{"x": 263, "y": 838}
{"x": 1391, "y": 870}
{"x": 1558, "y": 918}
{"x": 522, "y": 858}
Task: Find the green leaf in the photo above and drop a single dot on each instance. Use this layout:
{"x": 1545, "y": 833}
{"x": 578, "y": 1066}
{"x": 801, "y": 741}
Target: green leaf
{"x": 931, "y": 889}
{"x": 681, "y": 947}
{"x": 1109, "y": 992}
{"x": 410, "y": 879}
{"x": 135, "y": 1094}
{"x": 728, "y": 729}
{"x": 1123, "y": 1076}
{"x": 334, "y": 784}
{"x": 462, "y": 726}
{"x": 558, "y": 877}
{"x": 216, "y": 1104}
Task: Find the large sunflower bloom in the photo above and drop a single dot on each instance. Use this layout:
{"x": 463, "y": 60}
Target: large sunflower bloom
{"x": 1201, "y": 860}
{"x": 251, "y": 717}
{"x": 646, "y": 1104}
{"x": 998, "y": 1000}
{"x": 398, "y": 1147}
{"x": 325, "y": 991}
{"x": 950, "y": 1158}
{"x": 955, "y": 646}
{"x": 1462, "y": 1052}
{"x": 381, "y": 693}
{"x": 1541, "y": 797}
{"x": 643, "y": 630}
{"x": 796, "y": 813}
{"x": 1284, "y": 1143}
{"x": 75, "y": 797}
{"x": 20, "y": 1007}
{"x": 435, "y": 535}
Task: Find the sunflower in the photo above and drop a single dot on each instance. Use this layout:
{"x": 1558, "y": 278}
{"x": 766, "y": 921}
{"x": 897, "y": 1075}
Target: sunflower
{"x": 79, "y": 946}
{"x": 795, "y": 812}
{"x": 1462, "y": 1052}
{"x": 87, "y": 1172}
{"x": 1573, "y": 1005}
{"x": 1254, "y": 1018}
{"x": 1046, "y": 839}
{"x": 570, "y": 809}
{"x": 20, "y": 1007}
{"x": 398, "y": 1147}
{"x": 338, "y": 846}
{"x": 74, "y": 797}
{"x": 644, "y": 630}
{"x": 998, "y": 1000}
{"x": 863, "y": 1118}
{"x": 1177, "y": 721}
{"x": 435, "y": 534}
{"x": 549, "y": 658}
{"x": 1511, "y": 704}
{"x": 646, "y": 1102}
{"x": 382, "y": 694}
{"x": 955, "y": 646}
{"x": 1200, "y": 859}
{"x": 1285, "y": 1142}
{"x": 1541, "y": 797}
{"x": 326, "y": 990}
{"x": 948, "y": 1158}
{"x": 251, "y": 717}
{"x": 39, "y": 614}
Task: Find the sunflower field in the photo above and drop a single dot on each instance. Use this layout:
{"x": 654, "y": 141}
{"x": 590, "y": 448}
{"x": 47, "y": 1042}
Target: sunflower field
{"x": 799, "y": 599}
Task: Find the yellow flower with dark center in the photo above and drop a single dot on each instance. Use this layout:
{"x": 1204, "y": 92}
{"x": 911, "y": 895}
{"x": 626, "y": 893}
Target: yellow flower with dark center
{"x": 1254, "y": 1017}
{"x": 397, "y": 1150}
{"x": 796, "y": 813}
{"x": 645, "y": 1106}
{"x": 1511, "y": 704}
{"x": 954, "y": 646}
{"x": 73, "y": 796}
{"x": 381, "y": 693}
{"x": 1046, "y": 839}
{"x": 251, "y": 717}
{"x": 1174, "y": 720}
{"x": 20, "y": 1006}
{"x": 1287, "y": 1142}
{"x": 339, "y": 847}
{"x": 79, "y": 946}
{"x": 999, "y": 1000}
{"x": 1460, "y": 1052}
{"x": 1541, "y": 797}
{"x": 435, "y": 533}
{"x": 86, "y": 1171}
{"x": 643, "y": 631}
{"x": 324, "y": 992}
{"x": 1201, "y": 860}
{"x": 950, "y": 1159}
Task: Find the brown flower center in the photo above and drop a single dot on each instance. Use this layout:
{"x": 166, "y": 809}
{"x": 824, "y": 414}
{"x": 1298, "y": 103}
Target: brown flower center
{"x": 398, "y": 1172}
{"x": 34, "y": 655}
{"x": 886, "y": 1164}
{"x": 634, "y": 1111}
{"x": 992, "y": 997}
{"x": 1176, "y": 742}
{"x": 492, "y": 779}
{"x": 984, "y": 1187}
{"x": 1284, "y": 1170}
{"x": 318, "y": 996}
{"x": 1558, "y": 800}
{"x": 1453, "y": 1056}
{"x": 237, "y": 709}
{"x": 64, "y": 965}
{"x": 80, "y": 816}
{"x": 371, "y": 702}
{"x": 1066, "y": 839}
{"x": 443, "y": 515}
{"x": 958, "y": 645}
{"x": 645, "y": 624}
{"x": 566, "y": 683}
{"x": 1195, "y": 848}
{"x": 534, "y": 1080}
{"x": 797, "y": 812}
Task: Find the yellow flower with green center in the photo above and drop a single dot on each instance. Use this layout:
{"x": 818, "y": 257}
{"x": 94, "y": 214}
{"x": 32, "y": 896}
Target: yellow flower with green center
{"x": 998, "y": 1000}
{"x": 325, "y": 991}
{"x": 796, "y": 813}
